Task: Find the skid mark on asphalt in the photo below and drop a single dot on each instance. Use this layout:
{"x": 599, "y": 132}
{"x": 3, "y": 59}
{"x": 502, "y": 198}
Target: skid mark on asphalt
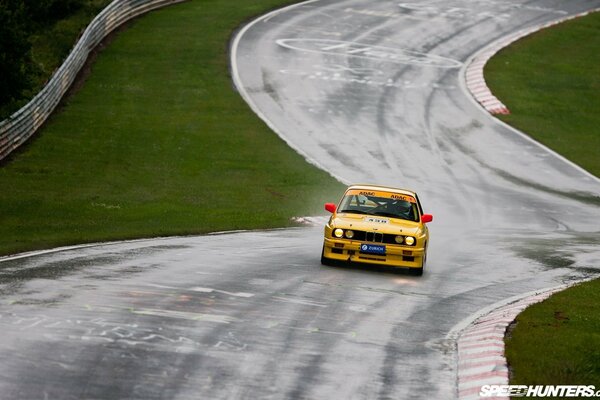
{"x": 209, "y": 290}
{"x": 375, "y": 289}
{"x": 260, "y": 281}
{"x": 223, "y": 319}
{"x": 205, "y": 290}
{"x": 231, "y": 342}
{"x": 102, "y": 330}
{"x": 299, "y": 301}
{"x": 309, "y": 329}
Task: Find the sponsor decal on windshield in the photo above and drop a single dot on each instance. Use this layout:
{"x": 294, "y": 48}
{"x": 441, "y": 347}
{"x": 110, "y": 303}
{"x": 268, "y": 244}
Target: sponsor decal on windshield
{"x": 378, "y": 193}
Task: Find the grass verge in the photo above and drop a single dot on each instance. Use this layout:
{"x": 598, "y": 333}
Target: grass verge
{"x": 557, "y": 342}
{"x": 157, "y": 142}
{"x": 550, "y": 82}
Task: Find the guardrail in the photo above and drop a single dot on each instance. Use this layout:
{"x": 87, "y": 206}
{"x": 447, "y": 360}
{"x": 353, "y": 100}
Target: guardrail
{"x": 20, "y": 126}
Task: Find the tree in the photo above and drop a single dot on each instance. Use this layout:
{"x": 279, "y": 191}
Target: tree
{"x": 15, "y": 50}
{"x": 18, "y": 21}
{"x": 50, "y": 11}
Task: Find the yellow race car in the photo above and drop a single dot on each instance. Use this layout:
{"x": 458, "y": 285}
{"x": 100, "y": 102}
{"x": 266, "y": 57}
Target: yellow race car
{"x": 377, "y": 225}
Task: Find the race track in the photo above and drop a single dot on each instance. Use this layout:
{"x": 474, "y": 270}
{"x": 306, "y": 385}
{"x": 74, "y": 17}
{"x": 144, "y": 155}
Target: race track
{"x": 371, "y": 92}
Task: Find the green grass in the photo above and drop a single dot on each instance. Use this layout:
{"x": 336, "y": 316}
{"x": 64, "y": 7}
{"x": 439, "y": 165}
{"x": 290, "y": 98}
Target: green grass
{"x": 157, "y": 142}
{"x": 557, "y": 342}
{"x": 550, "y": 82}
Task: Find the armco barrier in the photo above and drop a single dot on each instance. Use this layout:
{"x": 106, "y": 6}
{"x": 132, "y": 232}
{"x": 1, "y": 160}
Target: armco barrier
{"x": 20, "y": 126}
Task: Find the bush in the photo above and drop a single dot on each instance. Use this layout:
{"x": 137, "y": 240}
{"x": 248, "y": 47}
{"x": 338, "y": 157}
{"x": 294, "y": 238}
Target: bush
{"x": 15, "y": 50}
{"x": 19, "y": 21}
{"x": 49, "y": 11}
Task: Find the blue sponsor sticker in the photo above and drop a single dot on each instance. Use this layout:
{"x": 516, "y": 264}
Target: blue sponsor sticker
{"x": 372, "y": 249}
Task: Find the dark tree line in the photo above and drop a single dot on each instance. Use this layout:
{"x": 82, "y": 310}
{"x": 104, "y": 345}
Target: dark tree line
{"x": 18, "y": 20}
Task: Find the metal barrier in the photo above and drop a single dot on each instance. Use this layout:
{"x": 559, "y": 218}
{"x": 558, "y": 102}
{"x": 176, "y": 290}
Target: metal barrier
{"x": 20, "y": 126}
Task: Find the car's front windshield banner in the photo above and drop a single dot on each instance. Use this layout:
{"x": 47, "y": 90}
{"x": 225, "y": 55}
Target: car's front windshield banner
{"x": 376, "y": 193}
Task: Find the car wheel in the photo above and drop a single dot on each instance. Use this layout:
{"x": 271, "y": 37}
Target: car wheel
{"x": 416, "y": 271}
{"x": 324, "y": 260}
{"x": 419, "y": 271}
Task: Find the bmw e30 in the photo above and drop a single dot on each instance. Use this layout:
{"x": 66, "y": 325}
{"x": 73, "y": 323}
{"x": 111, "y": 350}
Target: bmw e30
{"x": 377, "y": 225}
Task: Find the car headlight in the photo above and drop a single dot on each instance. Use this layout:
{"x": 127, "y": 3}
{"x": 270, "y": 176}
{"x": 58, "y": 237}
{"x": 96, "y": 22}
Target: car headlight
{"x": 399, "y": 239}
{"x": 409, "y": 240}
{"x": 349, "y": 234}
{"x": 338, "y": 233}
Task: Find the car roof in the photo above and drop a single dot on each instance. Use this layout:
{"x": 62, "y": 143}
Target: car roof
{"x": 383, "y": 188}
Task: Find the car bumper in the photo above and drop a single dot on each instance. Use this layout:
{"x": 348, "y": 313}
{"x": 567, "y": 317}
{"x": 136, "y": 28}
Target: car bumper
{"x": 396, "y": 256}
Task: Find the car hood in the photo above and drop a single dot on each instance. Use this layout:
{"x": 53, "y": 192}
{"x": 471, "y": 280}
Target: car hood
{"x": 371, "y": 223}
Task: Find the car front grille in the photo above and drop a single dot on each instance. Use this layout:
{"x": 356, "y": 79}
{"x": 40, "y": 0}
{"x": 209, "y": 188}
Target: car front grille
{"x": 374, "y": 237}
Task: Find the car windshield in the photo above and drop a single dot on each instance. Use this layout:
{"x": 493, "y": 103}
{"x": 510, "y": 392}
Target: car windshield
{"x": 385, "y": 204}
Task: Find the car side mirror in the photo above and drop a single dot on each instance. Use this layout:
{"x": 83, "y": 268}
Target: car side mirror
{"x": 425, "y": 218}
{"x": 330, "y": 207}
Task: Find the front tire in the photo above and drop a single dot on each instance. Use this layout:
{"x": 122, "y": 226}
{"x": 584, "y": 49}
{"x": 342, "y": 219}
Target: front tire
{"x": 325, "y": 260}
{"x": 416, "y": 271}
{"x": 419, "y": 271}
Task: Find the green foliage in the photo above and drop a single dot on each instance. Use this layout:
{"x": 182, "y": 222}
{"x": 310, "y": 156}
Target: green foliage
{"x": 15, "y": 50}
{"x": 35, "y": 38}
{"x": 49, "y": 11}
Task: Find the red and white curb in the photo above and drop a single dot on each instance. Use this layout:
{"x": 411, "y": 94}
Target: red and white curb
{"x": 474, "y": 78}
{"x": 480, "y": 344}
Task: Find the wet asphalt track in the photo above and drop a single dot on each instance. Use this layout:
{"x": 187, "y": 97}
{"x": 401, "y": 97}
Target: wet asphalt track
{"x": 371, "y": 92}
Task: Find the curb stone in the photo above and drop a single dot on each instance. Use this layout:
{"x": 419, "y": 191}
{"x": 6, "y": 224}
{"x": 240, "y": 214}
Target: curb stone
{"x": 480, "y": 346}
{"x": 475, "y": 80}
